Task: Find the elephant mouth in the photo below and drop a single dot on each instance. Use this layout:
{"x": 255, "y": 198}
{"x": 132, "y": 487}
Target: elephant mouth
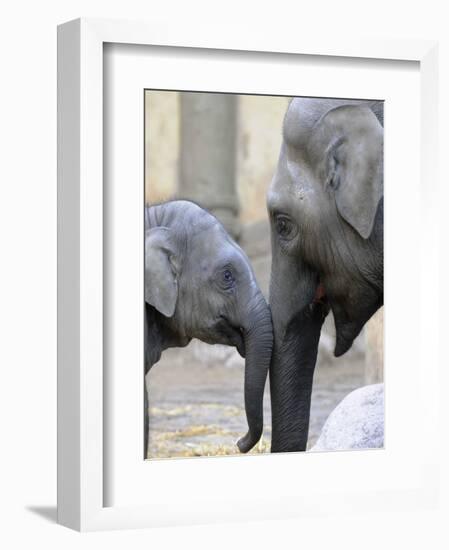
{"x": 320, "y": 294}
{"x": 346, "y": 329}
{"x": 239, "y": 341}
{"x": 231, "y": 335}
{"x": 319, "y": 307}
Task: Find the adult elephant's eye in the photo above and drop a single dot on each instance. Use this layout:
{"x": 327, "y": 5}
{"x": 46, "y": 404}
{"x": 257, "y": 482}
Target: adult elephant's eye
{"x": 285, "y": 227}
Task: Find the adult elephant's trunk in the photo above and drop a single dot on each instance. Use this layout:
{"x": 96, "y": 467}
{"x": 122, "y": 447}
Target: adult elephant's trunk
{"x": 298, "y": 311}
{"x": 258, "y": 336}
{"x": 291, "y": 379}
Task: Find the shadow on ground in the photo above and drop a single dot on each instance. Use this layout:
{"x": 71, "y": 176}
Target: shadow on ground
{"x": 47, "y": 512}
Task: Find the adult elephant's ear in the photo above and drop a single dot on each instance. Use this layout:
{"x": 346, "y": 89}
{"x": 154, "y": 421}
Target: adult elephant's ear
{"x": 355, "y": 164}
{"x": 161, "y": 278}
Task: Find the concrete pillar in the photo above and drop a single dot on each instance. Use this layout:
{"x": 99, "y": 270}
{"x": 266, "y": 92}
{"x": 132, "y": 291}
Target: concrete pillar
{"x": 374, "y": 338}
{"x": 207, "y": 167}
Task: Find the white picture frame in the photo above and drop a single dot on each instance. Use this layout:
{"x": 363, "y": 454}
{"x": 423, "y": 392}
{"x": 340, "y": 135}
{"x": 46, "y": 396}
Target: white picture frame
{"x": 82, "y": 491}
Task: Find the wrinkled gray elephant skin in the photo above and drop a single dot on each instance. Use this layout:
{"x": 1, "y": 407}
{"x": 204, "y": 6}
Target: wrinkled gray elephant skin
{"x": 199, "y": 284}
{"x": 325, "y": 205}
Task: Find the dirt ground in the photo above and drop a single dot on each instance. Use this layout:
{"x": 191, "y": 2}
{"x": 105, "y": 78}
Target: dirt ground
{"x": 196, "y": 403}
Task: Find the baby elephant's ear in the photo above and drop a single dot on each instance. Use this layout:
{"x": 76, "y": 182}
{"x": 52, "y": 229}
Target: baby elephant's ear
{"x": 357, "y": 164}
{"x": 161, "y": 283}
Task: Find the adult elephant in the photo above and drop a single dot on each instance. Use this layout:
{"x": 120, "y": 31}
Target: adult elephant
{"x": 326, "y": 214}
{"x": 199, "y": 284}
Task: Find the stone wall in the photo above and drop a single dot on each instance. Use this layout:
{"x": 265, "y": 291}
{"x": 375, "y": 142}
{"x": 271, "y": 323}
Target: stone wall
{"x": 258, "y": 141}
{"x": 374, "y": 336}
{"x": 161, "y": 145}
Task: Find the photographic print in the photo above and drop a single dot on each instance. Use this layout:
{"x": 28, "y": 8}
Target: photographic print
{"x": 263, "y": 274}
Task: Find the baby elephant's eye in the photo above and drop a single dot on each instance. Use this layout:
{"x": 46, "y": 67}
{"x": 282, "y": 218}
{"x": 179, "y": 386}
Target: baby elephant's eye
{"x": 228, "y": 277}
{"x": 225, "y": 278}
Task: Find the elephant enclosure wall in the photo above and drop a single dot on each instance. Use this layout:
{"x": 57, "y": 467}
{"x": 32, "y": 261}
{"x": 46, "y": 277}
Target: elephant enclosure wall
{"x": 221, "y": 151}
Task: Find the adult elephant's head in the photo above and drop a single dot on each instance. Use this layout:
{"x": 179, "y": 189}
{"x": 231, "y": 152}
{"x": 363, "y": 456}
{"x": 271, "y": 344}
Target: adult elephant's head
{"x": 199, "y": 284}
{"x": 326, "y": 213}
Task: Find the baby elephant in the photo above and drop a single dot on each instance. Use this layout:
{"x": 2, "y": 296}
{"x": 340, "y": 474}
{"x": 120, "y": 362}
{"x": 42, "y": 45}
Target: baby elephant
{"x": 199, "y": 284}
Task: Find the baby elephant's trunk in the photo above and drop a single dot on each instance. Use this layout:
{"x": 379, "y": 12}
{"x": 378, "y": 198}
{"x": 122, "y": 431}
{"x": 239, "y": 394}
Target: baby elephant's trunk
{"x": 258, "y": 335}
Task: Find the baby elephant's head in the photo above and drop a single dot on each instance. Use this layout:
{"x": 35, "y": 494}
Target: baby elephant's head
{"x": 202, "y": 285}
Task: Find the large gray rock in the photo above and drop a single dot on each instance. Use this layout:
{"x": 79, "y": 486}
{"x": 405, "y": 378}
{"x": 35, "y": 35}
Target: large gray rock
{"x": 356, "y": 423}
